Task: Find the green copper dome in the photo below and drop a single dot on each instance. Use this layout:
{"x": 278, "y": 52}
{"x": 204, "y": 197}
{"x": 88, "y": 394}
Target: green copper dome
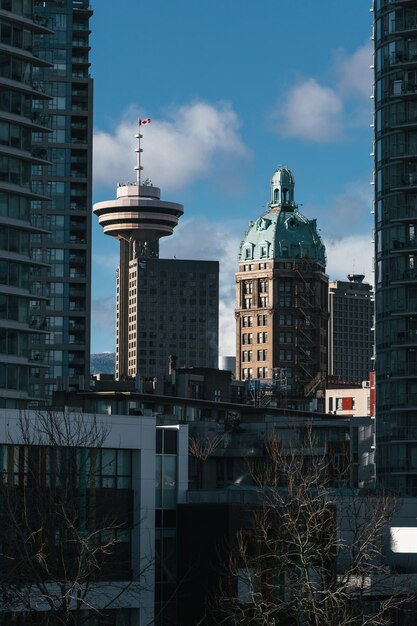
{"x": 282, "y": 232}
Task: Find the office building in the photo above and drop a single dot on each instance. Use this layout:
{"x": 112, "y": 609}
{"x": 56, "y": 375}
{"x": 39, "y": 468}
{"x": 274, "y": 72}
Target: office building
{"x": 17, "y": 157}
{"x": 281, "y": 301}
{"x": 166, "y": 309}
{"x": 110, "y": 506}
{"x": 351, "y": 310}
{"x": 395, "y": 178}
{"x": 67, "y": 183}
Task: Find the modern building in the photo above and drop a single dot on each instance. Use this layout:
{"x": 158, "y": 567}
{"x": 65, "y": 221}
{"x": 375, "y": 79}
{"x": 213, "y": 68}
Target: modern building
{"x": 351, "y": 311}
{"x": 112, "y": 503}
{"x": 281, "y": 300}
{"x": 395, "y": 178}
{"x": 18, "y": 271}
{"x": 166, "y": 309}
{"x": 66, "y": 180}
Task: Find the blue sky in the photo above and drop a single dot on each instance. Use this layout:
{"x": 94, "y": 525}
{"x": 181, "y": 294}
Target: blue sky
{"x": 234, "y": 89}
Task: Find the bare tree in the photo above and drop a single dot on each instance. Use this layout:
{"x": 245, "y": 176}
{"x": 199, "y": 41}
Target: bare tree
{"x": 310, "y": 555}
{"x": 61, "y": 535}
{"x": 201, "y": 448}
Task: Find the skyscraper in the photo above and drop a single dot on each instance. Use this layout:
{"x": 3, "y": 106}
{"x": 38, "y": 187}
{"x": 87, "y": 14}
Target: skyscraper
{"x": 281, "y": 300}
{"x": 164, "y": 307}
{"x": 395, "y": 122}
{"x": 351, "y": 312}
{"x": 67, "y": 182}
{"x": 17, "y": 66}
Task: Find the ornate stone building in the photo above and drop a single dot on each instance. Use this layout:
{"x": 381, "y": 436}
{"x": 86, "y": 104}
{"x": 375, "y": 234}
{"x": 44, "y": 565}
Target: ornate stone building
{"x": 281, "y": 302}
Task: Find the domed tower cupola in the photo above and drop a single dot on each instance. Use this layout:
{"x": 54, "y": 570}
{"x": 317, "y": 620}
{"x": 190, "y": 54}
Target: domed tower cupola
{"x": 282, "y": 190}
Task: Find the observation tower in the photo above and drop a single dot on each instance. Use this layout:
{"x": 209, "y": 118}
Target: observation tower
{"x": 138, "y": 218}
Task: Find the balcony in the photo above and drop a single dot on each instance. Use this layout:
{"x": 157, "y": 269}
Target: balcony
{"x": 407, "y": 275}
{"x": 406, "y": 370}
{"x": 401, "y": 213}
{"x": 77, "y": 259}
{"x": 408, "y": 244}
{"x": 403, "y": 58}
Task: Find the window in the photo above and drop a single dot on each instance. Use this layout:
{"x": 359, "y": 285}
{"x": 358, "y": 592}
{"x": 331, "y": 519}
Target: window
{"x": 285, "y": 320}
{"x": 247, "y": 303}
{"x": 262, "y": 355}
{"x": 246, "y": 355}
{"x": 262, "y": 320}
{"x": 248, "y": 321}
{"x": 263, "y": 285}
{"x": 262, "y": 337}
{"x": 285, "y": 355}
{"x": 263, "y": 250}
{"x": 247, "y": 287}
{"x": 285, "y": 301}
{"x": 247, "y": 338}
{"x": 247, "y": 253}
{"x": 262, "y": 372}
{"x": 263, "y": 301}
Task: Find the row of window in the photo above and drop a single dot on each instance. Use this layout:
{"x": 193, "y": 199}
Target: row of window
{"x": 261, "y": 355}
{"x": 251, "y": 267}
{"x": 262, "y": 286}
{"x": 15, "y": 69}
{"x": 248, "y": 302}
{"x": 15, "y": 171}
{"x": 261, "y": 372}
{"x": 261, "y": 337}
{"x": 14, "y": 240}
{"x": 247, "y": 320}
{"x": 105, "y": 468}
{"x": 15, "y": 136}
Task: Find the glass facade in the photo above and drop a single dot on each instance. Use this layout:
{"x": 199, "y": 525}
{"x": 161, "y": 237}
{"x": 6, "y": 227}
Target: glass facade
{"x": 75, "y": 500}
{"x": 18, "y": 297}
{"x": 66, "y": 179}
{"x": 395, "y": 96}
{"x": 166, "y": 524}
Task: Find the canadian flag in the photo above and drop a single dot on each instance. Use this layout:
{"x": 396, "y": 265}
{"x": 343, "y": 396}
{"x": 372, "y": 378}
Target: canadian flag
{"x": 143, "y": 122}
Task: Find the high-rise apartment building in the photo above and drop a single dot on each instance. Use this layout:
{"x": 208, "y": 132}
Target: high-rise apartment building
{"x": 351, "y": 310}
{"x": 281, "y": 300}
{"x": 18, "y": 65}
{"x": 166, "y": 309}
{"x": 66, "y": 180}
{"x": 395, "y": 98}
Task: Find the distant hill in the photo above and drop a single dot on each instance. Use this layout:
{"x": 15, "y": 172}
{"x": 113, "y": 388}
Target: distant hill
{"x": 102, "y": 363}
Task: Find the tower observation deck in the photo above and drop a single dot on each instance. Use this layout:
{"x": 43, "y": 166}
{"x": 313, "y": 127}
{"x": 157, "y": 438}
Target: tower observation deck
{"x": 139, "y": 216}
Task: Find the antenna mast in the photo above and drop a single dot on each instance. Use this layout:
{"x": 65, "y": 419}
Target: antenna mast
{"x": 139, "y": 150}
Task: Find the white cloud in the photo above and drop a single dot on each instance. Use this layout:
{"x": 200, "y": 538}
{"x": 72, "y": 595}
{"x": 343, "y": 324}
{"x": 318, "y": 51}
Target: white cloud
{"x": 310, "y": 111}
{"x": 103, "y": 313}
{"x": 348, "y": 211}
{"x": 350, "y": 255}
{"x": 178, "y": 150}
{"x": 354, "y": 71}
